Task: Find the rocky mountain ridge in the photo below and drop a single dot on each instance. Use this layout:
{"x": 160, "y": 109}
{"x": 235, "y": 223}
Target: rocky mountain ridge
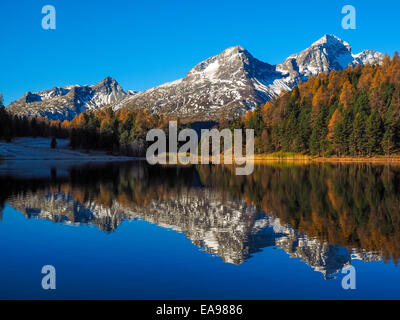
{"x": 64, "y": 103}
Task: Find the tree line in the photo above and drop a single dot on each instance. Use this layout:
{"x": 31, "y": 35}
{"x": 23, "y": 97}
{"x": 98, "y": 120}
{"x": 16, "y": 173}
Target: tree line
{"x": 12, "y": 126}
{"x": 122, "y": 132}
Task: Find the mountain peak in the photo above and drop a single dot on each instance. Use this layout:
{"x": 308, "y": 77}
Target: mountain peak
{"x": 109, "y": 84}
{"x": 233, "y": 49}
{"x": 108, "y": 81}
{"x": 327, "y": 54}
{"x": 231, "y": 65}
{"x": 236, "y": 51}
{"x": 331, "y": 40}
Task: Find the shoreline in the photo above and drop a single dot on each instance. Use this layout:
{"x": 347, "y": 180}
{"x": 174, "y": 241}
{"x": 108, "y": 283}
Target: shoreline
{"x": 304, "y": 159}
{"x": 38, "y": 149}
{"x": 320, "y": 159}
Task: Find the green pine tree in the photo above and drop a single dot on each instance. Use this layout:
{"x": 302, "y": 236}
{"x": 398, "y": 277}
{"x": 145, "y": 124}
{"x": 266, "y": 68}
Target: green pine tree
{"x": 374, "y": 132}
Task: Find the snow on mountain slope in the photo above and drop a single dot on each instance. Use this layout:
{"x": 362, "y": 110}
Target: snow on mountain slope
{"x": 225, "y": 85}
{"x": 368, "y": 57}
{"x": 63, "y": 103}
{"x": 327, "y": 54}
{"x": 233, "y": 81}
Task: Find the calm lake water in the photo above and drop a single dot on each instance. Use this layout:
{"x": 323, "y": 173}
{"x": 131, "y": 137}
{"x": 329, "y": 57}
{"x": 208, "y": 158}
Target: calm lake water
{"x": 135, "y": 231}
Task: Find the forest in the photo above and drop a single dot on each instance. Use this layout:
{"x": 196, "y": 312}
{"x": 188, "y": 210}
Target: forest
{"x": 122, "y": 132}
{"x": 354, "y": 112}
{"x": 118, "y": 132}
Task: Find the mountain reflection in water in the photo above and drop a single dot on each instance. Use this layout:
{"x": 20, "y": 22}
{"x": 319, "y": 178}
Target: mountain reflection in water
{"x": 324, "y": 214}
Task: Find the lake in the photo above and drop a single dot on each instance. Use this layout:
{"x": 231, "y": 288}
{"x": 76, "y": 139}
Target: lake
{"x": 135, "y": 231}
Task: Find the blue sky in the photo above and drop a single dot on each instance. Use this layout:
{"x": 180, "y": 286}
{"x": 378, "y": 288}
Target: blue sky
{"x": 146, "y": 43}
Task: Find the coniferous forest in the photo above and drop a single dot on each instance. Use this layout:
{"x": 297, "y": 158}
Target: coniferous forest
{"x": 354, "y": 112}
{"x": 122, "y": 132}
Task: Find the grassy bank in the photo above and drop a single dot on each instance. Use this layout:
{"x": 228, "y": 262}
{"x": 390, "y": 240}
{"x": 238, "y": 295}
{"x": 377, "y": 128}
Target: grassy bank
{"x": 282, "y": 156}
{"x": 297, "y": 157}
{"x": 288, "y": 156}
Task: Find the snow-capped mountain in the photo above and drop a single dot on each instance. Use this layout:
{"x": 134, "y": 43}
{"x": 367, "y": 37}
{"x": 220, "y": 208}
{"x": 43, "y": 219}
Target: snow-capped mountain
{"x": 233, "y": 81}
{"x": 325, "y": 55}
{"x": 227, "y": 84}
{"x": 63, "y": 103}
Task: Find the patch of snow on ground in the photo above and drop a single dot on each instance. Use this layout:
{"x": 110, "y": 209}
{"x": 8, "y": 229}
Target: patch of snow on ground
{"x": 39, "y": 149}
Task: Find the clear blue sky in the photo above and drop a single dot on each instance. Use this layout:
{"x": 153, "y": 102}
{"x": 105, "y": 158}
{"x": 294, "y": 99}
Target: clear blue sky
{"x": 146, "y": 43}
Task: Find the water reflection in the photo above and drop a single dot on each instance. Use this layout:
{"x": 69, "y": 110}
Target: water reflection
{"x": 326, "y": 215}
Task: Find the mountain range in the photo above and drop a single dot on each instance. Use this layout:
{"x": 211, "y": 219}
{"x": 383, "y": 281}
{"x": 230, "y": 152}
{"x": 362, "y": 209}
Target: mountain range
{"x": 225, "y": 85}
{"x": 64, "y": 103}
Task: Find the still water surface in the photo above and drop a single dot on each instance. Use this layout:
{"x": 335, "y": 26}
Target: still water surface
{"x": 134, "y": 231}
